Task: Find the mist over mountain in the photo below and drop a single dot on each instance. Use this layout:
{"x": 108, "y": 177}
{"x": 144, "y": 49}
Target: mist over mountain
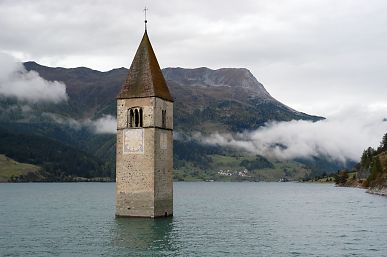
{"x": 208, "y": 101}
{"x": 224, "y": 100}
{"x": 205, "y": 100}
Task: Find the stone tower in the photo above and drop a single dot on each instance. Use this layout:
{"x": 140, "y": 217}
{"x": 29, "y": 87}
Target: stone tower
{"x": 144, "y": 161}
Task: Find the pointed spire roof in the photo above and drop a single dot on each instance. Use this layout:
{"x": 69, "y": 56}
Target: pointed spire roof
{"x": 145, "y": 78}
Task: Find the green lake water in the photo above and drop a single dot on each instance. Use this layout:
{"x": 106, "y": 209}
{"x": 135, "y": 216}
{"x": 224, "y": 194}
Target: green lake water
{"x": 210, "y": 219}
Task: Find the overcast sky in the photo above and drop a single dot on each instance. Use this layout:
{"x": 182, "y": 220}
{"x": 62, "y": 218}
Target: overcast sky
{"x": 316, "y": 56}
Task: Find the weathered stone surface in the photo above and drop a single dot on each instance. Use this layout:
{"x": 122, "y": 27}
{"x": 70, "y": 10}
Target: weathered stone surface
{"x": 144, "y": 161}
{"x": 145, "y": 78}
{"x": 144, "y": 181}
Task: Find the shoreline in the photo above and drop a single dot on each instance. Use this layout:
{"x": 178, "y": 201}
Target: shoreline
{"x": 382, "y": 191}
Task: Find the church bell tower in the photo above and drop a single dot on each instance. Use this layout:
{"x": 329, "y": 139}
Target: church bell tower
{"x": 144, "y": 157}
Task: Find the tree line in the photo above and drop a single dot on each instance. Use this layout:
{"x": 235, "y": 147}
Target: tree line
{"x": 372, "y": 167}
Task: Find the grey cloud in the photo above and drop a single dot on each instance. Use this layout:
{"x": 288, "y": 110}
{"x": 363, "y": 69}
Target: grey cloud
{"x": 341, "y": 138}
{"x": 107, "y": 124}
{"x": 104, "y": 125}
{"x": 17, "y": 82}
{"x": 304, "y": 52}
{"x": 72, "y": 123}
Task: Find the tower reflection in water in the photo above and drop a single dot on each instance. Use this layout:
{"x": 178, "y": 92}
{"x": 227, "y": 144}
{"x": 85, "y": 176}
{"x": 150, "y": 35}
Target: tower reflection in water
{"x": 142, "y": 237}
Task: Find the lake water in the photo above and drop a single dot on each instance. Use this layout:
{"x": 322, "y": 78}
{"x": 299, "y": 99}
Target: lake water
{"x": 210, "y": 219}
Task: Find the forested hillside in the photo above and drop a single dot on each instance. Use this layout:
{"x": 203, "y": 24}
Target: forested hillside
{"x": 206, "y": 101}
{"x": 374, "y": 164}
{"x": 58, "y": 161}
{"x": 370, "y": 172}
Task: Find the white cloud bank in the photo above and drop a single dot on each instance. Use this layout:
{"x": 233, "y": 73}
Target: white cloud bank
{"x": 301, "y": 50}
{"x": 104, "y": 125}
{"x": 341, "y": 138}
{"x": 28, "y": 86}
{"x": 107, "y": 124}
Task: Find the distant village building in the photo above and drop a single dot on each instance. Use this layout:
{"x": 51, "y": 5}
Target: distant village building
{"x": 144, "y": 161}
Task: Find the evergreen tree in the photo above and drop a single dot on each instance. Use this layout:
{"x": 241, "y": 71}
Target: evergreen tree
{"x": 366, "y": 158}
{"x": 370, "y": 152}
{"x": 376, "y": 170}
{"x": 383, "y": 144}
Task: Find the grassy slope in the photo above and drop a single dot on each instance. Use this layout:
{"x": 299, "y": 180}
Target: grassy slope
{"x": 9, "y": 168}
{"x": 56, "y": 158}
{"x": 290, "y": 169}
{"x": 227, "y": 163}
{"x": 207, "y": 109}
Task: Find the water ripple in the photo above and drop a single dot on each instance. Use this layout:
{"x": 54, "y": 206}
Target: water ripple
{"x": 210, "y": 219}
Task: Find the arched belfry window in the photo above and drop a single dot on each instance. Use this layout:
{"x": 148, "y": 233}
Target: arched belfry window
{"x": 135, "y": 117}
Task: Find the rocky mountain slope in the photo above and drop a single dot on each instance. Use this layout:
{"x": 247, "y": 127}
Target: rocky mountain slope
{"x": 206, "y": 101}
{"x": 224, "y": 99}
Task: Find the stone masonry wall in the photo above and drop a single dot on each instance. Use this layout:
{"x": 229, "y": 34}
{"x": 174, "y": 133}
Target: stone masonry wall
{"x": 144, "y": 181}
{"x": 163, "y": 160}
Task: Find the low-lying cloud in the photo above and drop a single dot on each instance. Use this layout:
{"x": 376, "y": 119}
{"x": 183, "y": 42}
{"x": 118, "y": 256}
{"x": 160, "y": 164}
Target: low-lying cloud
{"x": 104, "y": 125}
{"x": 70, "y": 122}
{"x": 342, "y": 137}
{"x": 28, "y": 86}
{"x": 107, "y": 124}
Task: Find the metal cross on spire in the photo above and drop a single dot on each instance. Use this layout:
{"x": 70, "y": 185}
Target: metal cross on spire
{"x": 145, "y": 20}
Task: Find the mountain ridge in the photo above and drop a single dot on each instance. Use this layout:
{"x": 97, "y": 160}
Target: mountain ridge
{"x": 236, "y": 99}
{"x": 224, "y": 100}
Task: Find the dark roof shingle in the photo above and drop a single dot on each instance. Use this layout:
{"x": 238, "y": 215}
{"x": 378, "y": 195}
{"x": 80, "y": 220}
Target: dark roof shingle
{"x": 145, "y": 78}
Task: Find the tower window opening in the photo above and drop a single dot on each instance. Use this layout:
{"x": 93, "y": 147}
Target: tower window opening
{"x": 135, "y": 118}
{"x": 130, "y": 118}
{"x": 163, "y": 118}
